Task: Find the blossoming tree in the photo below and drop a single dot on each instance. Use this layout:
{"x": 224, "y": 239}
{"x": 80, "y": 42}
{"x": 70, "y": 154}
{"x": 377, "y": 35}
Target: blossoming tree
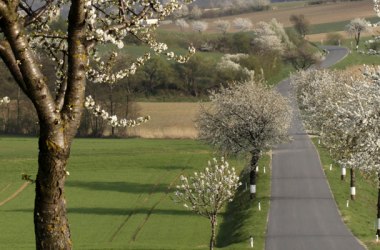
{"x": 26, "y": 34}
{"x": 245, "y": 117}
{"x": 346, "y": 109}
{"x": 332, "y": 110}
{"x": 356, "y": 27}
{"x": 207, "y": 192}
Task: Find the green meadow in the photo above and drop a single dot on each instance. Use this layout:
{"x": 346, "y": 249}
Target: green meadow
{"x": 120, "y": 196}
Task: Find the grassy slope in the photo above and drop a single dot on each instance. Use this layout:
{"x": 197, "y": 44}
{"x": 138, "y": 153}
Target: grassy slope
{"x": 354, "y": 58}
{"x": 119, "y": 195}
{"x": 360, "y": 216}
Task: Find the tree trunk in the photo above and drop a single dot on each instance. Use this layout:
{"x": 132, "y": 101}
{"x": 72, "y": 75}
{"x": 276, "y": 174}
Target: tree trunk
{"x": 352, "y": 184}
{"x": 255, "y": 154}
{"x": 343, "y": 175}
{"x": 357, "y": 38}
{"x": 50, "y": 221}
{"x": 18, "y": 127}
{"x": 378, "y": 206}
{"x": 213, "y": 233}
{"x": 112, "y": 109}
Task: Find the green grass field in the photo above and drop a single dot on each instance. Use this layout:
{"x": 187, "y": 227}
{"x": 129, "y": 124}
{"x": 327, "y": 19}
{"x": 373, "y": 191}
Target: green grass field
{"x": 334, "y": 26}
{"x": 119, "y": 195}
{"x": 354, "y": 58}
{"x": 360, "y": 216}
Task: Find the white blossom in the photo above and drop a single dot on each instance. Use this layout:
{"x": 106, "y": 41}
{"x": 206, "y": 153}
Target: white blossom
{"x": 112, "y": 120}
{"x": 242, "y": 24}
{"x": 5, "y": 100}
{"x": 199, "y": 26}
{"x": 207, "y": 191}
{"x": 222, "y": 26}
{"x": 244, "y": 117}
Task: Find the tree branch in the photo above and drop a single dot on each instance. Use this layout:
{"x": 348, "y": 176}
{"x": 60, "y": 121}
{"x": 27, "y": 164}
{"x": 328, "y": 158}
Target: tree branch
{"x": 76, "y": 72}
{"x": 10, "y": 61}
{"x": 35, "y": 82}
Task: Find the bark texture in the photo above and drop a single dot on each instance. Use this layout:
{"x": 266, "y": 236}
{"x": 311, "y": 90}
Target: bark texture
{"x": 50, "y": 221}
{"x": 59, "y": 117}
{"x": 378, "y": 206}
{"x": 213, "y": 231}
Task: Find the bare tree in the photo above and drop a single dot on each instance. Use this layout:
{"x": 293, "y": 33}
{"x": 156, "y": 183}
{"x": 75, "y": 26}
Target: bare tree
{"x": 356, "y": 27}
{"x": 245, "y": 117}
{"x": 302, "y": 57}
{"x": 207, "y": 192}
{"x": 301, "y": 24}
{"x": 26, "y": 35}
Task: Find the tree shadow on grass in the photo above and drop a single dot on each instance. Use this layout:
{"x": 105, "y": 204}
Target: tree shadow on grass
{"x": 116, "y": 211}
{"x": 234, "y": 226}
{"x": 170, "y": 167}
{"x": 124, "y": 187}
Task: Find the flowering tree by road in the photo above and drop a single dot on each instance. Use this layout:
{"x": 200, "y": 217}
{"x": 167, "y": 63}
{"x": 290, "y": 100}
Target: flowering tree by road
{"x": 245, "y": 117}
{"x": 208, "y": 191}
{"x": 356, "y": 27}
{"x": 329, "y": 107}
{"x": 345, "y": 110}
{"x": 26, "y": 35}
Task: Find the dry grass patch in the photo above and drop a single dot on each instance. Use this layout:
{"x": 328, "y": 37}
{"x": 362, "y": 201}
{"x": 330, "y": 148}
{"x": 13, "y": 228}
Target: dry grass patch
{"x": 168, "y": 120}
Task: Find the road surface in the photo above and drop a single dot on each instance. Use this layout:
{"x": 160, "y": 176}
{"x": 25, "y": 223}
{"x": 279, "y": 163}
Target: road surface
{"x": 303, "y": 214}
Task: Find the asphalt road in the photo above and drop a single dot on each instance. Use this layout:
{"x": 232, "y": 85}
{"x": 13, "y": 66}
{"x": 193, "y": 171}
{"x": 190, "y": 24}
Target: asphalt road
{"x": 303, "y": 213}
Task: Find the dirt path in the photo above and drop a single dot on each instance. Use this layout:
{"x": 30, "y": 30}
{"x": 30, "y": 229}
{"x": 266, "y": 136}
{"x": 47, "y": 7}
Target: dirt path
{"x": 14, "y": 195}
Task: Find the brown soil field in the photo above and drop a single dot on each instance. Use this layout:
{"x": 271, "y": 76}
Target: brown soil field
{"x": 168, "y": 120}
{"x": 316, "y": 14}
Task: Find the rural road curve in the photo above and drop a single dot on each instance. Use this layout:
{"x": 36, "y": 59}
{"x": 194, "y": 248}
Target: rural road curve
{"x": 303, "y": 214}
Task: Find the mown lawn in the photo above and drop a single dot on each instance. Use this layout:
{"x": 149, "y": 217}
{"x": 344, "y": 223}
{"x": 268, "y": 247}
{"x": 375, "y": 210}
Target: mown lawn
{"x": 119, "y": 195}
{"x": 360, "y": 215}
